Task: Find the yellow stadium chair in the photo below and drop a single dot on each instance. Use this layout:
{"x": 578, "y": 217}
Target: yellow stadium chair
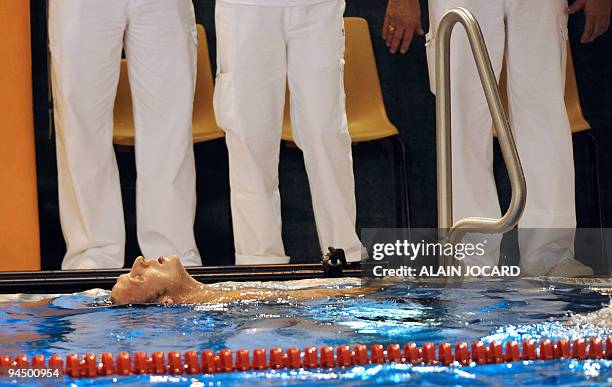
{"x": 204, "y": 124}
{"x": 367, "y": 117}
{"x": 578, "y": 124}
{"x": 572, "y": 100}
{"x": 19, "y": 223}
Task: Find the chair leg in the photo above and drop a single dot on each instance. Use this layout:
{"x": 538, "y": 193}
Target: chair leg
{"x": 597, "y": 201}
{"x": 596, "y": 186}
{"x": 401, "y": 182}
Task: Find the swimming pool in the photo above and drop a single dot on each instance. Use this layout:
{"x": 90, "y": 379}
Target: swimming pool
{"x": 491, "y": 310}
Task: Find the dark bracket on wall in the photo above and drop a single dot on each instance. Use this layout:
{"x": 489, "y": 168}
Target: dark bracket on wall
{"x": 79, "y": 280}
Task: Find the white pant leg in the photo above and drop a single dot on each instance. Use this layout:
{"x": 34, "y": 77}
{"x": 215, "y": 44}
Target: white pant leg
{"x": 249, "y": 102}
{"x": 474, "y": 190}
{"x": 315, "y": 71}
{"x": 85, "y": 39}
{"x": 161, "y": 46}
{"x": 537, "y": 38}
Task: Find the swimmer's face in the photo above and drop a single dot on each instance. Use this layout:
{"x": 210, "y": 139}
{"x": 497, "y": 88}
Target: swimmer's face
{"x": 149, "y": 281}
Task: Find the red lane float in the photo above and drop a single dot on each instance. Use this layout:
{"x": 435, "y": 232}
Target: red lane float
{"x": 462, "y": 354}
{"x": 141, "y": 363}
{"x": 225, "y": 360}
{"x": 310, "y": 357}
{"x": 513, "y": 352}
{"x": 377, "y": 354}
{"x": 361, "y": 355}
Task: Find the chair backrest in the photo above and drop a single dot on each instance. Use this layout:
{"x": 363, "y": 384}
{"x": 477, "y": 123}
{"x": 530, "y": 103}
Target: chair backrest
{"x": 572, "y": 100}
{"x": 123, "y": 126}
{"x": 367, "y": 117}
{"x": 204, "y": 124}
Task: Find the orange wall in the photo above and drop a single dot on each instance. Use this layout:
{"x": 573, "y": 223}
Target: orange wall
{"x": 19, "y": 232}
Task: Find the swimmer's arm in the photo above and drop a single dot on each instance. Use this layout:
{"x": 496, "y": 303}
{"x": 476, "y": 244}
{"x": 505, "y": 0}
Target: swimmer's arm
{"x": 35, "y": 304}
{"x": 313, "y": 294}
{"x": 209, "y": 296}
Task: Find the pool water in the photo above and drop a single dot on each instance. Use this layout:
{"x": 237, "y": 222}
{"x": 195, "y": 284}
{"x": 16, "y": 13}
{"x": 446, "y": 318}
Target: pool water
{"x": 487, "y": 310}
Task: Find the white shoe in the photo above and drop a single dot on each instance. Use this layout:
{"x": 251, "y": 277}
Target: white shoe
{"x": 570, "y": 268}
{"x": 191, "y": 258}
{"x": 84, "y": 263}
{"x": 260, "y": 260}
{"x": 91, "y": 263}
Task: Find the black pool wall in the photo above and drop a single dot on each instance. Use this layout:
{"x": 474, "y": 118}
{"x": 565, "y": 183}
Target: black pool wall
{"x": 410, "y": 107}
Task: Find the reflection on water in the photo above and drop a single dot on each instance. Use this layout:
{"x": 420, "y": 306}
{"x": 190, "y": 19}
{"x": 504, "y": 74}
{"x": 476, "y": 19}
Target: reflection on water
{"x": 491, "y": 310}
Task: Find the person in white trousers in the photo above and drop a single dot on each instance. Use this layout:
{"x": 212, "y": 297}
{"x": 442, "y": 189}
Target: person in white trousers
{"x": 86, "y": 38}
{"x": 260, "y": 45}
{"x": 532, "y": 36}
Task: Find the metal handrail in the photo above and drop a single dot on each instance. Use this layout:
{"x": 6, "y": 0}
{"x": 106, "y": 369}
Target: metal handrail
{"x": 456, "y": 231}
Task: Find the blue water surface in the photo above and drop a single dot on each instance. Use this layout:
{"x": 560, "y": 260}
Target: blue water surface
{"x": 487, "y": 310}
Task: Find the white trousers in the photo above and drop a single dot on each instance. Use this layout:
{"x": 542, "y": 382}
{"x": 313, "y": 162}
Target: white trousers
{"x": 532, "y": 36}
{"x": 86, "y": 38}
{"x": 259, "y": 48}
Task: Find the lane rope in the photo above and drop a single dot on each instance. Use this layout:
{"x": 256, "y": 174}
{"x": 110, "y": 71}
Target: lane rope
{"x": 326, "y": 357}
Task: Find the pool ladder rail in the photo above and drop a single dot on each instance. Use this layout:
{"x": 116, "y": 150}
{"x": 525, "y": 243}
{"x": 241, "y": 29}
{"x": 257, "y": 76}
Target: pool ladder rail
{"x": 208, "y": 362}
{"x": 454, "y": 232}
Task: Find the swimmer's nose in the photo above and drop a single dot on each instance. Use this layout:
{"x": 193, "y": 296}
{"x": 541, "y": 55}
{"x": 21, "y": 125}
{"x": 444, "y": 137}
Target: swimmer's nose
{"x": 141, "y": 261}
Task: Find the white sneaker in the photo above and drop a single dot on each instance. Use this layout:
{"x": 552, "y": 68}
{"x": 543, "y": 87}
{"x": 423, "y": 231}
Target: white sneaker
{"x": 90, "y": 263}
{"x": 191, "y": 258}
{"x": 84, "y": 263}
{"x": 570, "y": 268}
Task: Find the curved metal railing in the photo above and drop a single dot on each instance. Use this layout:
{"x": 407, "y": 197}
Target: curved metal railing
{"x": 454, "y": 232}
